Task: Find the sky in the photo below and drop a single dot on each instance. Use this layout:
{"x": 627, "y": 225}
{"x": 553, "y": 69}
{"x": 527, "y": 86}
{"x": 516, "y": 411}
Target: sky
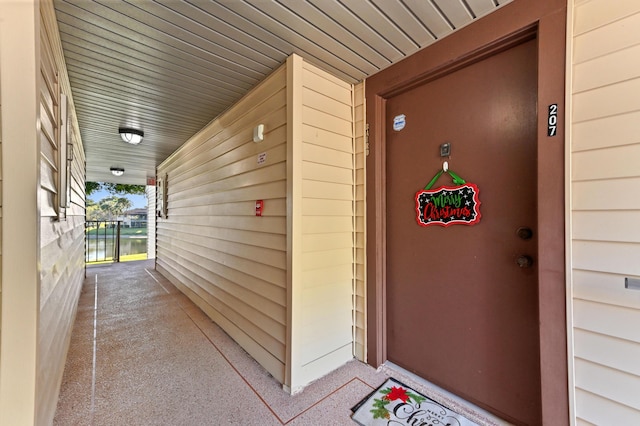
{"x": 138, "y": 201}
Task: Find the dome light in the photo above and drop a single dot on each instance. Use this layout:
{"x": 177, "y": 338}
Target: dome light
{"x": 117, "y": 171}
{"x": 132, "y": 136}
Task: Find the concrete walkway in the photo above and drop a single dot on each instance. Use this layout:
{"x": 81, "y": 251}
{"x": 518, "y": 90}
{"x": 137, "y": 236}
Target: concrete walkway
{"x": 143, "y": 354}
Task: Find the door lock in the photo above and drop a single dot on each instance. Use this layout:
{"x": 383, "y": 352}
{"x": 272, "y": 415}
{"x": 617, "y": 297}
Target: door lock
{"x": 524, "y": 233}
{"x": 524, "y": 261}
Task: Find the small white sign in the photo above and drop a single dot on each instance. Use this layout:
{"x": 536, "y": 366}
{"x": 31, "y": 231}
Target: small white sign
{"x": 552, "y": 120}
{"x": 399, "y": 121}
{"x": 262, "y": 158}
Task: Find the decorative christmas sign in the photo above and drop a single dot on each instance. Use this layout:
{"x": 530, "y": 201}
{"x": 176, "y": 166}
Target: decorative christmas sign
{"x": 448, "y": 205}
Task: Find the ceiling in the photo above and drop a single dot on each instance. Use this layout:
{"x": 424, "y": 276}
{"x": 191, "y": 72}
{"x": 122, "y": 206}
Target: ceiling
{"x": 168, "y": 67}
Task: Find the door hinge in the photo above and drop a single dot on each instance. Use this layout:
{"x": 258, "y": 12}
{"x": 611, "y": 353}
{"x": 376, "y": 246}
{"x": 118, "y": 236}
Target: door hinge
{"x": 366, "y": 139}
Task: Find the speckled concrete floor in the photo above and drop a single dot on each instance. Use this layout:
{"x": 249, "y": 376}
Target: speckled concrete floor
{"x": 143, "y": 354}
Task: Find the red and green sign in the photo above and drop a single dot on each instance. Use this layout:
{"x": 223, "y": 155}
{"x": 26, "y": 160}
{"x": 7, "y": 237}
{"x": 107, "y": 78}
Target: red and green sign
{"x": 448, "y": 205}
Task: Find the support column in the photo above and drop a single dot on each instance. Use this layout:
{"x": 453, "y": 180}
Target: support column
{"x": 151, "y": 221}
{"x": 20, "y": 106}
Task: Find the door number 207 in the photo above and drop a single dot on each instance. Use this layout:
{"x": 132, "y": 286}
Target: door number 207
{"x": 552, "y": 121}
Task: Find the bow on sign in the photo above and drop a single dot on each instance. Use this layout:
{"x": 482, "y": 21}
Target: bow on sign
{"x": 448, "y": 205}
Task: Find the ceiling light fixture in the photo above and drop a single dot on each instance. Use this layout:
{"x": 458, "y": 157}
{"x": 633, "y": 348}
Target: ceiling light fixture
{"x": 132, "y": 136}
{"x": 117, "y": 171}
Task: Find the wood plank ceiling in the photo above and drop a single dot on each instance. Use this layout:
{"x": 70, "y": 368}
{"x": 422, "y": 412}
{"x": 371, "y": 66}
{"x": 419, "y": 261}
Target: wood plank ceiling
{"x": 168, "y": 67}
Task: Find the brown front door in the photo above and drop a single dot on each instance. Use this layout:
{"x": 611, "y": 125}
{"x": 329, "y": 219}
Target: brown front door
{"x": 462, "y": 301}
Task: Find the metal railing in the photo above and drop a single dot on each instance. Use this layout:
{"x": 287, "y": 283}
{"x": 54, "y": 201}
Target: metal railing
{"x": 115, "y": 241}
{"x": 102, "y": 241}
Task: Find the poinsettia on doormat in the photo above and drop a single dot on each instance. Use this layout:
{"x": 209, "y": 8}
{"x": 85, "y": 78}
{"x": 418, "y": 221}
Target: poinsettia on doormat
{"x": 395, "y": 404}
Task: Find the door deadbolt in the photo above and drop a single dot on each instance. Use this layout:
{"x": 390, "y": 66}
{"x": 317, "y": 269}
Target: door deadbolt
{"x": 524, "y": 261}
{"x": 525, "y": 233}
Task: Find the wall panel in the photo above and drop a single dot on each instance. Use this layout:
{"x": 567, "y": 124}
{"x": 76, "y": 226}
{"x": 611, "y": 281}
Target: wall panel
{"x": 359, "y": 314}
{"x": 605, "y": 132}
{"x": 282, "y": 284}
{"x": 1, "y": 187}
{"x": 325, "y": 314}
{"x": 601, "y": 411}
{"x": 605, "y": 238}
{"x": 61, "y": 237}
{"x": 229, "y": 261}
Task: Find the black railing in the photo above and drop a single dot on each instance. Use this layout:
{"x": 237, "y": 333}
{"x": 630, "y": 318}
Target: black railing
{"x": 115, "y": 240}
{"x": 102, "y": 242}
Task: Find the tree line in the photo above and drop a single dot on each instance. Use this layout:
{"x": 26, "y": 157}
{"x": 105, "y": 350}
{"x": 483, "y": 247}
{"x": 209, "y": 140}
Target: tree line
{"x": 108, "y": 208}
{"x": 113, "y": 206}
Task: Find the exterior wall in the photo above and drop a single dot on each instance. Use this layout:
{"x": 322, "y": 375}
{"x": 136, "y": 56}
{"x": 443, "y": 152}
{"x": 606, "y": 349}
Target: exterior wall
{"x": 282, "y": 284}
{"x": 360, "y": 296}
{"x": 0, "y": 212}
{"x": 321, "y": 158}
{"x": 212, "y": 246}
{"x": 43, "y": 271}
{"x": 19, "y": 82}
{"x": 605, "y": 236}
{"x": 0, "y": 218}
{"x": 150, "y": 191}
{"x": 61, "y": 236}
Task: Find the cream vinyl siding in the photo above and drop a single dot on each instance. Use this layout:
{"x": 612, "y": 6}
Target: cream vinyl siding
{"x": 323, "y": 260}
{"x": 1, "y": 227}
{"x": 281, "y": 284}
{"x": 61, "y": 241}
{"x": 150, "y": 192}
{"x": 360, "y": 132}
{"x": 605, "y": 236}
{"x": 212, "y": 246}
{"x": 19, "y": 83}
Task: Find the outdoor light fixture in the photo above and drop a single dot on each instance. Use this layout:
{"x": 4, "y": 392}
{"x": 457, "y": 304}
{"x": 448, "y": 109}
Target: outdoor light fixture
{"x": 132, "y": 136}
{"x": 117, "y": 171}
{"x": 258, "y": 133}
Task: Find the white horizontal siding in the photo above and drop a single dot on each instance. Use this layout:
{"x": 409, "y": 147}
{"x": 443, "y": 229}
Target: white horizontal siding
{"x": 327, "y": 225}
{"x": 605, "y": 132}
{"x": 609, "y": 351}
{"x": 61, "y": 241}
{"x": 605, "y": 194}
{"x": 604, "y": 33}
{"x": 612, "y": 257}
{"x": 609, "y": 319}
{"x": 359, "y": 326}
{"x": 609, "y": 383}
{"x": 619, "y": 226}
{"x": 602, "y": 411}
{"x": 608, "y": 163}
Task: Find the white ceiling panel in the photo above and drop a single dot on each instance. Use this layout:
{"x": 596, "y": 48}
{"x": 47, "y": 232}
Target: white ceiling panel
{"x": 168, "y": 67}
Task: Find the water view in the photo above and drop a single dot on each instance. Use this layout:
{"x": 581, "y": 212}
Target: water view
{"x": 102, "y": 242}
{"x": 100, "y": 249}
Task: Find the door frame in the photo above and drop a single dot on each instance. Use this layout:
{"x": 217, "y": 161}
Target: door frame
{"x": 515, "y": 22}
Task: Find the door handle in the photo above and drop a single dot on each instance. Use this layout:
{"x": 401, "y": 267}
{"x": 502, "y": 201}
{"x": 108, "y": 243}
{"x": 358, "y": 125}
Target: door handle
{"x": 524, "y": 261}
{"x": 524, "y": 233}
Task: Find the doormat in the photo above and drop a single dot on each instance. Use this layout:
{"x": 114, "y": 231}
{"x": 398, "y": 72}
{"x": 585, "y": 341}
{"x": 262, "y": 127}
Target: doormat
{"x": 396, "y": 404}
